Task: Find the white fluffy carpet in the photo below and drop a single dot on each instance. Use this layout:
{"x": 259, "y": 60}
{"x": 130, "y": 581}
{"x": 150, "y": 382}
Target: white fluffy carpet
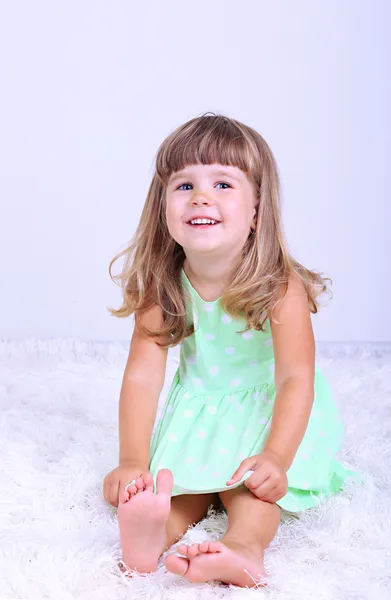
{"x": 59, "y": 438}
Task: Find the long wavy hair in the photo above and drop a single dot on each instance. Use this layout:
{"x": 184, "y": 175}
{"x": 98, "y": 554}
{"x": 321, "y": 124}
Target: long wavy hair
{"x": 151, "y": 273}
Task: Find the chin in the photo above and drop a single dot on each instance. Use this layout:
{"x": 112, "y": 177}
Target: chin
{"x": 205, "y": 248}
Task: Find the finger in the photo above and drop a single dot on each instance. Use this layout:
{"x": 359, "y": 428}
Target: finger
{"x": 272, "y": 496}
{"x": 246, "y": 465}
{"x": 109, "y": 493}
{"x": 123, "y": 496}
{"x": 114, "y": 493}
{"x": 125, "y": 492}
{"x": 259, "y": 477}
{"x": 263, "y": 490}
{"x": 106, "y": 488}
{"x": 131, "y": 490}
{"x": 117, "y": 493}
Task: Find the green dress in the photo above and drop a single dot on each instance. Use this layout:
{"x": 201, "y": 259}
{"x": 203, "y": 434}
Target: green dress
{"x": 219, "y": 409}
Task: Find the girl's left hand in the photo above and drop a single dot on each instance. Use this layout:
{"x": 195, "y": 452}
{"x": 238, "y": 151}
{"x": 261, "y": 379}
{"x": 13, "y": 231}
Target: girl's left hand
{"x": 269, "y": 481}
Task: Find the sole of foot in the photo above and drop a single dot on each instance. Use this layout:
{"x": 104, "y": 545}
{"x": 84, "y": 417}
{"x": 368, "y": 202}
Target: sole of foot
{"x": 229, "y": 562}
{"x": 142, "y": 518}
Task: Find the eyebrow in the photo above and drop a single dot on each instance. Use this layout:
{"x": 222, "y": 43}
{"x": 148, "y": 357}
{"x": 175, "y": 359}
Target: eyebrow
{"x": 215, "y": 171}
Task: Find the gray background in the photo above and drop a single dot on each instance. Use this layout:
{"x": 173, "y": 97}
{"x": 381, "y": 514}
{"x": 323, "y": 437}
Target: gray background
{"x": 90, "y": 89}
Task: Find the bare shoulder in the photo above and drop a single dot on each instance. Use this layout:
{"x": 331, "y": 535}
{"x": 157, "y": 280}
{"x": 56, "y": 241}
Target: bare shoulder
{"x": 295, "y": 296}
{"x": 152, "y": 318}
{"x": 295, "y": 286}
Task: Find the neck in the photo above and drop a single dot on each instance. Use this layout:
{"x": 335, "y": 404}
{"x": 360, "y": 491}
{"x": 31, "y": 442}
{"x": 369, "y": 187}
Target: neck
{"x": 211, "y": 279}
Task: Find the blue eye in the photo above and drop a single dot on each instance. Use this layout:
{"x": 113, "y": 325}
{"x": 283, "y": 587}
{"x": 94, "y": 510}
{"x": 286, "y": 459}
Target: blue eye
{"x": 220, "y": 183}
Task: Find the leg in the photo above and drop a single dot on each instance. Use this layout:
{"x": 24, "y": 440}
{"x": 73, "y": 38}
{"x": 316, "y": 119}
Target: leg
{"x": 250, "y": 520}
{"x": 151, "y": 522}
{"x": 185, "y": 510}
{"x": 238, "y": 557}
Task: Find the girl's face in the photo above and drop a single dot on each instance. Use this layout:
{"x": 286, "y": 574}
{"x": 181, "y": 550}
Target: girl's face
{"x": 219, "y": 192}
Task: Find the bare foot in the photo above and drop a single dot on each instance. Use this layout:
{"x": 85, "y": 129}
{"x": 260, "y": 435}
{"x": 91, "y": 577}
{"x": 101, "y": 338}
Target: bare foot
{"x": 228, "y": 561}
{"x": 142, "y": 517}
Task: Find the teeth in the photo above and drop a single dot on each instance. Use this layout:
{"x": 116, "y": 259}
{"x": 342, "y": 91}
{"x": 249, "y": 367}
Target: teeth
{"x": 202, "y": 221}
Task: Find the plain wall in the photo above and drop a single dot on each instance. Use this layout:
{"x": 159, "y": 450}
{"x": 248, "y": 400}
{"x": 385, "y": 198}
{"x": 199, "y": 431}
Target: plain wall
{"x": 89, "y": 90}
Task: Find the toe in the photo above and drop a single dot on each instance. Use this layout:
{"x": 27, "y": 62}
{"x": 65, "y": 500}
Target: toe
{"x": 139, "y": 483}
{"x": 182, "y": 549}
{"x": 164, "y": 482}
{"x": 176, "y": 564}
{"x": 148, "y": 481}
{"x": 215, "y": 547}
{"x": 204, "y": 547}
{"x": 193, "y": 550}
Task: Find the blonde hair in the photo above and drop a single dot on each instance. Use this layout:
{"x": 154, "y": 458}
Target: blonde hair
{"x": 151, "y": 273}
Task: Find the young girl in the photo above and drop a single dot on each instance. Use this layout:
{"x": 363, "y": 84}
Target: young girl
{"x": 249, "y": 423}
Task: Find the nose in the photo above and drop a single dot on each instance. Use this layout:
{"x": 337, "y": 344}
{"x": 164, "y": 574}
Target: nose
{"x": 200, "y": 198}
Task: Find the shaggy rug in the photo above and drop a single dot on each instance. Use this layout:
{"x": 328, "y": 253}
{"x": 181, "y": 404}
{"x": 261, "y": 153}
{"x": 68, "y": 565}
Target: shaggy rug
{"x": 59, "y": 439}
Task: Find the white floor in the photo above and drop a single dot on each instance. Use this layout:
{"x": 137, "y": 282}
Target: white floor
{"x": 59, "y": 539}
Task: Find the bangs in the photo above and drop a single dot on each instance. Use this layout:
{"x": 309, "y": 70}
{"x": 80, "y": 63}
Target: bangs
{"x": 205, "y": 140}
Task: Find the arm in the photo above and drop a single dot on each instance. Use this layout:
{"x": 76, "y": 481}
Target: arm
{"x": 142, "y": 383}
{"x": 294, "y": 355}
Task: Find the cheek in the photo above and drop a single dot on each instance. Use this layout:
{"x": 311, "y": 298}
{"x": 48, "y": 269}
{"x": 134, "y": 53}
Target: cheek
{"x": 239, "y": 223}
{"x": 237, "y": 212}
{"x": 173, "y": 218}
{"x": 171, "y": 215}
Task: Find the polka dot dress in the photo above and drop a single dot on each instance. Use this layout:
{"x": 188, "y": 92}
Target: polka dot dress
{"x": 219, "y": 410}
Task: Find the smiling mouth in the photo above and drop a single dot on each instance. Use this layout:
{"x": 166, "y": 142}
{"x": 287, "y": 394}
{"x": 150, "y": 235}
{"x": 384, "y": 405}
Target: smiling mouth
{"x": 203, "y": 225}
